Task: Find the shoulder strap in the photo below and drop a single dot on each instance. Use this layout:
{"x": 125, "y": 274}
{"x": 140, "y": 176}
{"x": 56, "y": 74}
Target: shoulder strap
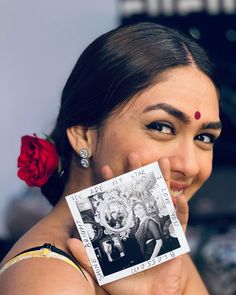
{"x": 45, "y": 251}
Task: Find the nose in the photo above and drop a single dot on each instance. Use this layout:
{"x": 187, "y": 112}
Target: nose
{"x": 185, "y": 160}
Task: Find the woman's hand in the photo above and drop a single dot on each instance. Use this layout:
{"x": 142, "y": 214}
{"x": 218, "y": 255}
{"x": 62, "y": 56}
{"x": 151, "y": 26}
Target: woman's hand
{"x": 161, "y": 279}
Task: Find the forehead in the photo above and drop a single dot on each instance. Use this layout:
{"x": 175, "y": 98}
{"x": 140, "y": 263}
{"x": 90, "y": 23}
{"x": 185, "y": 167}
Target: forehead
{"x": 185, "y": 88}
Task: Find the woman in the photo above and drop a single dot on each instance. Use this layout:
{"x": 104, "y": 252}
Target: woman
{"x": 137, "y": 94}
{"x": 148, "y": 233}
{"x": 113, "y": 251}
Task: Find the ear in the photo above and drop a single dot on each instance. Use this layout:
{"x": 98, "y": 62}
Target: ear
{"x": 81, "y": 137}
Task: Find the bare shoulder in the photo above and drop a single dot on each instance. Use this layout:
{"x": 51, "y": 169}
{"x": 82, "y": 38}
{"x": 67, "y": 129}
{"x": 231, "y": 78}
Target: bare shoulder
{"x": 192, "y": 283}
{"x": 43, "y": 276}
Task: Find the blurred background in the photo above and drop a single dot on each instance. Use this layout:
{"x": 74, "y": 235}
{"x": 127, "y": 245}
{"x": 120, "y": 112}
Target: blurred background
{"x": 39, "y": 44}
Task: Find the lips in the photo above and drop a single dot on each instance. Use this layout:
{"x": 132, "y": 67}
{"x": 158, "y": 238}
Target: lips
{"x": 177, "y": 189}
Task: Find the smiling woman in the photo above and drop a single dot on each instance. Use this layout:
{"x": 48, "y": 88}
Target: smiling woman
{"x": 131, "y": 99}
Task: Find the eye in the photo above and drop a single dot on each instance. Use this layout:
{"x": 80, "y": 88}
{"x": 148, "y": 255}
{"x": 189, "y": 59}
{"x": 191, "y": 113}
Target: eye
{"x": 161, "y": 127}
{"x": 206, "y": 138}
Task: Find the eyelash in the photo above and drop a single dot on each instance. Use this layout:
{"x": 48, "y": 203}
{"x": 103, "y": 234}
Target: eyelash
{"x": 158, "y": 126}
{"x": 212, "y": 138}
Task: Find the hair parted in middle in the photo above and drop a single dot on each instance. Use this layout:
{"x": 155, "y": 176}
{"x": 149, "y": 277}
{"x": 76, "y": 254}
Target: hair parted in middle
{"x": 110, "y": 72}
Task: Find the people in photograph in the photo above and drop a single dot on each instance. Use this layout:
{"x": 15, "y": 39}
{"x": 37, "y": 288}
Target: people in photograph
{"x": 134, "y": 196}
{"x": 91, "y": 230}
{"x": 116, "y": 220}
{"x": 170, "y": 236}
{"x": 137, "y": 94}
{"x": 113, "y": 251}
{"x": 148, "y": 232}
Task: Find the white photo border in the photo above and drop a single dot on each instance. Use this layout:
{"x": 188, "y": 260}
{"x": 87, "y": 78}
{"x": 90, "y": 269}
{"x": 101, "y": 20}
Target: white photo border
{"x": 161, "y": 189}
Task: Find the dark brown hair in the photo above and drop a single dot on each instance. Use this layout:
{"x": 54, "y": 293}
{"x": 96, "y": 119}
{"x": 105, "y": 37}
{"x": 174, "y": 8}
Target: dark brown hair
{"x": 111, "y": 70}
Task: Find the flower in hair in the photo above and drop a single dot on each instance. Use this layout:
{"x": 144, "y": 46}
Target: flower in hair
{"x": 38, "y": 160}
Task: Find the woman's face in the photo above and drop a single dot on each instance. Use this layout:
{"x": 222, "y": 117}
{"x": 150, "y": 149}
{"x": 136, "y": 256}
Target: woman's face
{"x": 162, "y": 122}
{"x": 139, "y": 211}
{"x": 114, "y": 215}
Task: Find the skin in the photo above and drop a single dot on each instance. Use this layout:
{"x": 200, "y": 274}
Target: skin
{"x": 185, "y": 89}
{"x": 145, "y": 131}
{"x": 139, "y": 211}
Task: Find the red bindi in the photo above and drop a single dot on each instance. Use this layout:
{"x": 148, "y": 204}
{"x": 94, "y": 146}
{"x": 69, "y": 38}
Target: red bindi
{"x": 197, "y": 115}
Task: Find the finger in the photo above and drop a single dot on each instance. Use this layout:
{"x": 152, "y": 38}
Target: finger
{"x": 164, "y": 164}
{"x": 79, "y": 252}
{"x": 133, "y": 161}
{"x": 182, "y": 211}
{"x": 107, "y": 172}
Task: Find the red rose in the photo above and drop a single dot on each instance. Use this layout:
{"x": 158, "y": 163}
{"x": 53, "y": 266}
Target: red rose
{"x": 38, "y": 160}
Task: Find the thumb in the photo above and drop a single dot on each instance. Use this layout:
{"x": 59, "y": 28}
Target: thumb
{"x": 79, "y": 252}
{"x": 182, "y": 211}
{"x": 164, "y": 164}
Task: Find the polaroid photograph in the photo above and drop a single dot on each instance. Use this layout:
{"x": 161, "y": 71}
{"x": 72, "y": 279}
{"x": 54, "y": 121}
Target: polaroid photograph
{"x": 128, "y": 223}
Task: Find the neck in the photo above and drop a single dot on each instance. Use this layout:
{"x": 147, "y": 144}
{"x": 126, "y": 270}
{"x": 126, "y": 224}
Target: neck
{"x": 59, "y": 222}
{"x": 61, "y": 215}
{"x": 143, "y": 218}
{"x": 60, "y": 219}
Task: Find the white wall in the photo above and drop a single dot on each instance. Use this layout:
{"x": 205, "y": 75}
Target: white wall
{"x": 39, "y": 44}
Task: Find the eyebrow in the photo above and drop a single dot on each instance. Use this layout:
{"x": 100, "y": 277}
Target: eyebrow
{"x": 181, "y": 116}
{"x": 212, "y": 125}
{"x": 170, "y": 110}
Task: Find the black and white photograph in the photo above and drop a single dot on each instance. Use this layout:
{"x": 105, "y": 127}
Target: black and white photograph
{"x": 112, "y": 248}
{"x": 128, "y": 223}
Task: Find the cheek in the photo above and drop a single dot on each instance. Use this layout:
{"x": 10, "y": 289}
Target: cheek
{"x": 111, "y": 150}
{"x": 205, "y": 168}
{"x": 204, "y": 173}
{"x": 153, "y": 152}
{"x": 114, "y": 147}
{"x": 114, "y": 151}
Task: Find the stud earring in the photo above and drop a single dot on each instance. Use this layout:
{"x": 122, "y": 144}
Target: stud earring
{"x": 84, "y": 158}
